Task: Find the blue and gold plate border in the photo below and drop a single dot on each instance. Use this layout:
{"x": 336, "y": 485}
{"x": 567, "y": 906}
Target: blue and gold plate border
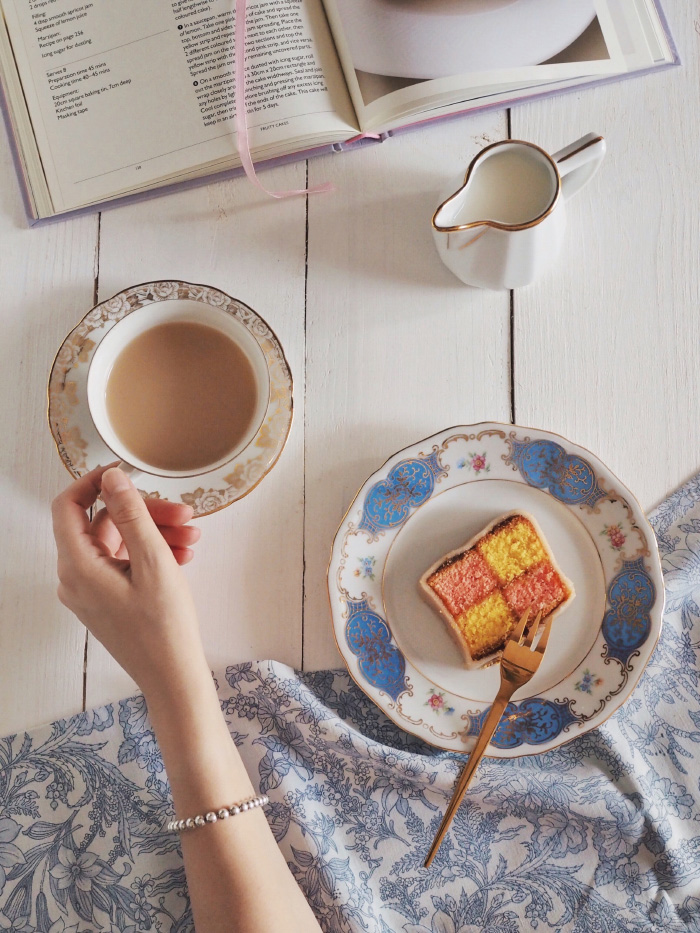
{"x": 629, "y": 629}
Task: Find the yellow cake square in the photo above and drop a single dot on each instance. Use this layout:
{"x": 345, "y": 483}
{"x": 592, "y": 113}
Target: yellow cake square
{"x": 512, "y": 549}
{"x": 486, "y": 625}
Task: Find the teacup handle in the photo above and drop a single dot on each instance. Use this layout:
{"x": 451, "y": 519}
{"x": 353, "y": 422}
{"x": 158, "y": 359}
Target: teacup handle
{"x": 131, "y": 471}
{"x": 579, "y": 161}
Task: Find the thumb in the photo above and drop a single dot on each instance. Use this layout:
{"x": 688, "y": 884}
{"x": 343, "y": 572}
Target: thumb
{"x": 132, "y": 519}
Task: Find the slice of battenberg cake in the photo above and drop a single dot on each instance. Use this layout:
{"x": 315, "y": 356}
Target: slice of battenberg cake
{"x": 485, "y": 586}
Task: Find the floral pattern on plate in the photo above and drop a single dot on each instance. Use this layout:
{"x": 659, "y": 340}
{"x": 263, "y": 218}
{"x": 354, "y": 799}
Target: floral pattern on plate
{"x": 620, "y": 636}
{"x": 82, "y": 449}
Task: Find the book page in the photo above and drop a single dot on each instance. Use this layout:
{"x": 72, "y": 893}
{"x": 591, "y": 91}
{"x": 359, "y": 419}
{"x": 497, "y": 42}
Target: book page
{"x": 399, "y": 56}
{"x": 124, "y": 94}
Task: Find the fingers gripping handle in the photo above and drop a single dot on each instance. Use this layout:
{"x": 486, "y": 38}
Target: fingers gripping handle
{"x": 129, "y": 513}
{"x": 579, "y": 161}
{"x": 131, "y": 471}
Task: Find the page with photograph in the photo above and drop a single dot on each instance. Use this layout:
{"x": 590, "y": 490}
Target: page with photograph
{"x": 643, "y": 45}
{"x": 125, "y": 95}
{"x": 643, "y": 41}
{"x": 399, "y": 55}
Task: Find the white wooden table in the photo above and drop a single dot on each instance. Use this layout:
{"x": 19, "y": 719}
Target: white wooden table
{"x": 386, "y": 347}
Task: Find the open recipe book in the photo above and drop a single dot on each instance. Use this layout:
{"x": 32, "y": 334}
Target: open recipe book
{"x": 112, "y": 98}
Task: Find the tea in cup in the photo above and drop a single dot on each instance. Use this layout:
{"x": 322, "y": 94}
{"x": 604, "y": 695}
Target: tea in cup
{"x": 178, "y": 388}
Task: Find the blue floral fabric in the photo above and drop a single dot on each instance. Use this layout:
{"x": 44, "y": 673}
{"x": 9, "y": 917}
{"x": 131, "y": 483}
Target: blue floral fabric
{"x": 601, "y": 835}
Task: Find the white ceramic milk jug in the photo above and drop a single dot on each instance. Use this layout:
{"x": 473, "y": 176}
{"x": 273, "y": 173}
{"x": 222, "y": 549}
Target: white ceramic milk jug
{"x": 505, "y": 224}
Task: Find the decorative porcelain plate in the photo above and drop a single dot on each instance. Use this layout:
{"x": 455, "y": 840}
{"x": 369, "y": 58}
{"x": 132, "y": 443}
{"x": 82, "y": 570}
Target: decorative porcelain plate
{"x": 433, "y": 497}
{"x": 82, "y": 449}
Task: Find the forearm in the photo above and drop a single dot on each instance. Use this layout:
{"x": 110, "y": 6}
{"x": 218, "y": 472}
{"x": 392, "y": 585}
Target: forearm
{"x": 237, "y": 877}
{"x": 119, "y": 573}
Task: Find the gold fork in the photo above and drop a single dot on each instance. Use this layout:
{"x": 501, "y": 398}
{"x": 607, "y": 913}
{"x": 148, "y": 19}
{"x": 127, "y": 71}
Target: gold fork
{"x": 518, "y": 664}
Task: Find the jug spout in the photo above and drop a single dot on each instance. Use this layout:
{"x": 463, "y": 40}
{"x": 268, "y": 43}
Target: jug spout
{"x": 456, "y": 220}
{"x": 459, "y": 212}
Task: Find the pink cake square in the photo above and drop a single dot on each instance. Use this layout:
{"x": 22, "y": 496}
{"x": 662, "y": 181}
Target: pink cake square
{"x": 540, "y": 590}
{"x": 463, "y": 581}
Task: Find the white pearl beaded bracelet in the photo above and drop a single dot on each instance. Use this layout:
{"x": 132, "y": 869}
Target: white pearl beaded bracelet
{"x": 195, "y": 822}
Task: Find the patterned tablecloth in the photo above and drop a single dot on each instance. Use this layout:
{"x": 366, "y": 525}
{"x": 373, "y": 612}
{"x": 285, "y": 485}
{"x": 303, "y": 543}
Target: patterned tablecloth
{"x": 600, "y": 835}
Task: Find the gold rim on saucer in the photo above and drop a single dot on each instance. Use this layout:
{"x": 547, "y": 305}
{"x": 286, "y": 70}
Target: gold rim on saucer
{"x": 80, "y": 446}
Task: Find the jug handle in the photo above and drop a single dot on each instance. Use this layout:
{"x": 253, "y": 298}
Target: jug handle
{"x": 579, "y": 161}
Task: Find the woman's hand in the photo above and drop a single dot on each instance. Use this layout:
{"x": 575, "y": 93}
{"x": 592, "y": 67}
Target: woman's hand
{"x": 119, "y": 574}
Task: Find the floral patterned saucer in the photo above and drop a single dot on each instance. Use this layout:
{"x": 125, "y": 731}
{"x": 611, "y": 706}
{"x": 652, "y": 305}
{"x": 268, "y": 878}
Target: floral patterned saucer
{"x": 80, "y": 446}
{"x": 432, "y": 497}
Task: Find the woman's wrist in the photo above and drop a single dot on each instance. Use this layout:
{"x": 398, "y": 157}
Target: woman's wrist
{"x": 203, "y": 766}
{"x": 173, "y": 679}
{"x": 184, "y": 708}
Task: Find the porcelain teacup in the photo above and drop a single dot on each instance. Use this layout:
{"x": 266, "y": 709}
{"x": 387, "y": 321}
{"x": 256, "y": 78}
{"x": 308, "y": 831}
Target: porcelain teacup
{"x": 136, "y": 324}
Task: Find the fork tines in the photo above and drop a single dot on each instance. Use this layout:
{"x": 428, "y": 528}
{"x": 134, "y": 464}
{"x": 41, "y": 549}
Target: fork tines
{"x": 523, "y": 634}
{"x": 544, "y": 637}
{"x": 519, "y": 629}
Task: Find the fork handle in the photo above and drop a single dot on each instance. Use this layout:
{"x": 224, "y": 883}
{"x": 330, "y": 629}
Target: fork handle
{"x": 490, "y": 724}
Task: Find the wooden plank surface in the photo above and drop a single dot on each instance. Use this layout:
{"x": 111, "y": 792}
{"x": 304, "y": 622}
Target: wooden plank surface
{"x": 397, "y": 348}
{"x": 247, "y": 576}
{"x": 385, "y": 345}
{"x": 607, "y": 345}
{"x": 47, "y": 279}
